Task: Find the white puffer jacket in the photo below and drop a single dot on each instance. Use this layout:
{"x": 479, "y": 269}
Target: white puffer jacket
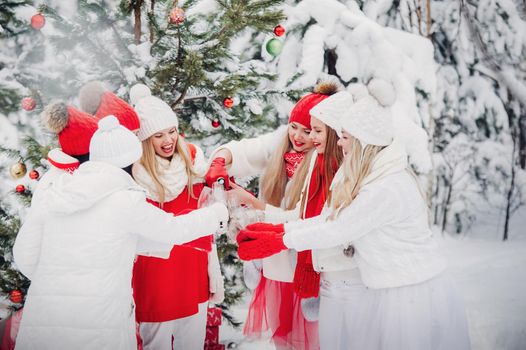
{"x": 78, "y": 245}
{"x": 386, "y": 223}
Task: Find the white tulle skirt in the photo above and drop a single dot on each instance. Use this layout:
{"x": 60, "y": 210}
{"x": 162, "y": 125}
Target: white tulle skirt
{"x": 425, "y": 316}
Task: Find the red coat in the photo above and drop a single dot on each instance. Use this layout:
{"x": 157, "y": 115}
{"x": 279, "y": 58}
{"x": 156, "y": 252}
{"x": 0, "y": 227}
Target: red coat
{"x": 168, "y": 289}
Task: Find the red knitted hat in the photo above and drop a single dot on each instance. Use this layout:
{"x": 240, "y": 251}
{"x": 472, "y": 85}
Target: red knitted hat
{"x": 301, "y": 111}
{"x": 111, "y": 104}
{"x": 74, "y": 128}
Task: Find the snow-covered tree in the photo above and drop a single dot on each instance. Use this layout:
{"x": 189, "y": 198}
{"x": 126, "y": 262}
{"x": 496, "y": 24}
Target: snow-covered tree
{"x": 480, "y": 103}
{"x": 180, "y": 49}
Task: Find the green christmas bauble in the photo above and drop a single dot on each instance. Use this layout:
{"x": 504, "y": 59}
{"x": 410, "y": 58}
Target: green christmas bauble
{"x": 274, "y": 47}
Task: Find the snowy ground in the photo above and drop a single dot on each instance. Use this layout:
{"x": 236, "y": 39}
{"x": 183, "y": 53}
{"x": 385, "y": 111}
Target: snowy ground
{"x": 490, "y": 274}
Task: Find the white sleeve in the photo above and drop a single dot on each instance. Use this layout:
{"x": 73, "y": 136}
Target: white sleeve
{"x": 154, "y": 224}
{"x": 277, "y": 215}
{"x": 26, "y": 250}
{"x": 250, "y": 156}
{"x": 371, "y": 209}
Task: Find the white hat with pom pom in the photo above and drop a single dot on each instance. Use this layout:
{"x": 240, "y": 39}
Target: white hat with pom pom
{"x": 369, "y": 119}
{"x": 155, "y": 114}
{"x": 114, "y": 144}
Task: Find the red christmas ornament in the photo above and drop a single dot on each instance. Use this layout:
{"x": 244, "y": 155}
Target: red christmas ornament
{"x": 216, "y": 123}
{"x": 279, "y": 30}
{"x": 38, "y": 21}
{"x": 228, "y": 102}
{"x": 34, "y": 175}
{"x": 28, "y": 104}
{"x": 16, "y": 296}
{"x": 20, "y": 189}
{"x": 177, "y": 16}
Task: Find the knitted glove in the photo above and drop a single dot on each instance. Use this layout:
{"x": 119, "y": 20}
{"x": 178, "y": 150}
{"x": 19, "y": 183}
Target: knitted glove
{"x": 216, "y": 172}
{"x": 306, "y": 281}
{"x": 259, "y": 244}
{"x": 263, "y": 226}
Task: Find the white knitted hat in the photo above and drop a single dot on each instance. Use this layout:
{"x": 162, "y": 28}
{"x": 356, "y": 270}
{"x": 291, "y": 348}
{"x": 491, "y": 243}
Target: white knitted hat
{"x": 155, "y": 115}
{"x": 113, "y": 143}
{"x": 369, "y": 119}
{"x": 332, "y": 109}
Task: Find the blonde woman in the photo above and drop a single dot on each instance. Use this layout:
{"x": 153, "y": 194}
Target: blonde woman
{"x": 282, "y": 159}
{"x": 399, "y": 296}
{"x": 172, "y": 294}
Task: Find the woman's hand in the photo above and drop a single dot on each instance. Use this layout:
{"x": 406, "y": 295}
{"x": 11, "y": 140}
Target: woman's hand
{"x": 242, "y": 196}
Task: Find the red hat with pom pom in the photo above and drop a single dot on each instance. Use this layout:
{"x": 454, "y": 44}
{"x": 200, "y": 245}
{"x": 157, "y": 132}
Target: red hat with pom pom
{"x": 74, "y": 128}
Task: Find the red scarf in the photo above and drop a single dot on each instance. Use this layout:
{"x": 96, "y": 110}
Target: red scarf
{"x": 306, "y": 280}
{"x": 292, "y": 160}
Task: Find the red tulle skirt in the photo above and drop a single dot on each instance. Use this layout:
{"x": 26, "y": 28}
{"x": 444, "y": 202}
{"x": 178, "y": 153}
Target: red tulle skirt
{"x": 275, "y": 310}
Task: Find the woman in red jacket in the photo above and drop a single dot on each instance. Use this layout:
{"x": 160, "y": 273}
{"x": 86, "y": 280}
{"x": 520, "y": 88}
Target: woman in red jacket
{"x": 171, "y": 295}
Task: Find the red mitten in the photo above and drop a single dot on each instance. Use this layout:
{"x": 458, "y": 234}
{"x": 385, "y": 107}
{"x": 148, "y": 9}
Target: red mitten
{"x": 306, "y": 280}
{"x": 263, "y": 226}
{"x": 216, "y": 172}
{"x": 259, "y": 244}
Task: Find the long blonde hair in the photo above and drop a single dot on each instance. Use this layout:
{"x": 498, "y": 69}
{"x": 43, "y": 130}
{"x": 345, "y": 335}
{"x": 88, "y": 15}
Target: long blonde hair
{"x": 357, "y": 164}
{"x": 274, "y": 179}
{"x": 149, "y": 162}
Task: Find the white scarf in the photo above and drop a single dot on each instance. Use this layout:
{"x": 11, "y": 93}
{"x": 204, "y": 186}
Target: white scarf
{"x": 172, "y": 174}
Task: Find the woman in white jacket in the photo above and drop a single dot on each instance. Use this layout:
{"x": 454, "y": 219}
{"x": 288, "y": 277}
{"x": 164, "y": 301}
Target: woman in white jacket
{"x": 275, "y": 307}
{"x": 78, "y": 244}
{"x": 399, "y": 296}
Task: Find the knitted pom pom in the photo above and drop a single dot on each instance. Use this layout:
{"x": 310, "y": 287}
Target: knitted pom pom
{"x": 55, "y": 116}
{"x": 137, "y": 92}
{"x": 358, "y": 91}
{"x": 326, "y": 88}
{"x": 382, "y": 91}
{"x": 90, "y": 96}
{"x": 108, "y": 123}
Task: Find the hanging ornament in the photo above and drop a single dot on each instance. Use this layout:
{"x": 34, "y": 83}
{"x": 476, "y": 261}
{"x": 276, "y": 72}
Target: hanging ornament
{"x": 16, "y": 296}
{"x": 274, "y": 47}
{"x": 38, "y": 21}
{"x": 177, "y": 16}
{"x": 34, "y": 175}
{"x": 216, "y": 123}
{"x": 20, "y": 189}
{"x": 279, "y": 30}
{"x": 18, "y": 170}
{"x": 228, "y": 102}
{"x": 28, "y": 103}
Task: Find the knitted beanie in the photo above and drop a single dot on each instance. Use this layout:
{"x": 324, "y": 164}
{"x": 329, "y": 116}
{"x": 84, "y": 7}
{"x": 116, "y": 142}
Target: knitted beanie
{"x": 155, "y": 114}
{"x": 369, "y": 119}
{"x": 73, "y": 127}
{"x": 330, "y": 110}
{"x": 96, "y": 99}
{"x": 114, "y": 144}
{"x": 301, "y": 111}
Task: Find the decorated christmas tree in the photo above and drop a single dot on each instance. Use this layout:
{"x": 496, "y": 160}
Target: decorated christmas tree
{"x": 204, "y": 58}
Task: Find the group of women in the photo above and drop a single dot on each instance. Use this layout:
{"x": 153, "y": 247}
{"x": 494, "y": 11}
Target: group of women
{"x": 345, "y": 259}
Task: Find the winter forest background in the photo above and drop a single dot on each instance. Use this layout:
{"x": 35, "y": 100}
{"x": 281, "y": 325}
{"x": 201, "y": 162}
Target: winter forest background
{"x": 458, "y": 66}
